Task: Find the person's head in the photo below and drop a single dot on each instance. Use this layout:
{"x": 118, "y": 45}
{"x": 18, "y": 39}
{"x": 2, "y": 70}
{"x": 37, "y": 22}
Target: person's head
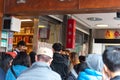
{"x": 21, "y": 45}
{"x": 65, "y": 51}
{"x": 22, "y": 59}
{"x": 80, "y": 67}
{"x": 6, "y": 61}
{"x": 111, "y": 59}
{"x": 95, "y": 62}
{"x": 57, "y": 47}
{"x": 32, "y": 56}
{"x": 82, "y": 58}
{"x": 74, "y": 58}
{"x": 44, "y": 54}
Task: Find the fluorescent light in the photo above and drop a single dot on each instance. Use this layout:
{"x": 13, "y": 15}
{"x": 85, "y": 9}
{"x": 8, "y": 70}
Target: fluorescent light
{"x": 41, "y": 26}
{"x": 26, "y": 20}
{"x": 102, "y": 25}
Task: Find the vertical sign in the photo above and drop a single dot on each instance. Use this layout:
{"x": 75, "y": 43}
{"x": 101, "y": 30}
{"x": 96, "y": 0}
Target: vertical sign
{"x": 10, "y": 41}
{"x": 71, "y": 30}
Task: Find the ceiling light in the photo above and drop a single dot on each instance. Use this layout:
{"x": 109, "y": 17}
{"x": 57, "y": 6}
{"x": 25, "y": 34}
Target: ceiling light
{"x": 21, "y": 1}
{"x": 61, "y": 0}
{"x": 94, "y": 19}
{"x": 41, "y": 26}
{"x": 26, "y": 20}
{"x": 102, "y": 25}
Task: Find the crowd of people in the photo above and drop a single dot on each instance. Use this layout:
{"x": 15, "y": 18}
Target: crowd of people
{"x": 59, "y": 64}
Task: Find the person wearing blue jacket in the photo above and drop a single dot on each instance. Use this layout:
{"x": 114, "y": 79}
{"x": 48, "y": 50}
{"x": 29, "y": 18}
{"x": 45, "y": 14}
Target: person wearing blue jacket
{"x": 40, "y": 70}
{"x": 94, "y": 71}
{"x": 19, "y": 64}
{"x": 2, "y": 74}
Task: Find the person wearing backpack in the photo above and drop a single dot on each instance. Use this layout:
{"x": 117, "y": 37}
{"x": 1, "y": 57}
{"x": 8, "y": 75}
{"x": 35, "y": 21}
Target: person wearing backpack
{"x": 60, "y": 62}
{"x": 19, "y": 64}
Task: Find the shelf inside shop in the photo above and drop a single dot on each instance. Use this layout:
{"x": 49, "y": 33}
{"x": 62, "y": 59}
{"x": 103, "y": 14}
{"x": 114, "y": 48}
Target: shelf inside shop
{"x": 24, "y": 34}
{"x": 28, "y": 44}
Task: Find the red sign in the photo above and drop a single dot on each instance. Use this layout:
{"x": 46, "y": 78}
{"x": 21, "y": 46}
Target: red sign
{"x": 112, "y": 34}
{"x": 71, "y": 30}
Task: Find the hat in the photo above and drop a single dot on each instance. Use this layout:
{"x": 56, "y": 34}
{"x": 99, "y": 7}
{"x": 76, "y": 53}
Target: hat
{"x": 46, "y": 51}
{"x": 13, "y": 54}
{"x": 95, "y": 62}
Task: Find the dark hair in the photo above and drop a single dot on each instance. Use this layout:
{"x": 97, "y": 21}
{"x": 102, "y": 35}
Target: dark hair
{"x": 80, "y": 67}
{"x": 111, "y": 58}
{"x": 22, "y": 59}
{"x": 73, "y": 55}
{"x": 43, "y": 57}
{"x": 6, "y": 59}
{"x": 32, "y": 56}
{"x": 57, "y": 46}
{"x": 21, "y": 43}
{"x": 81, "y": 58}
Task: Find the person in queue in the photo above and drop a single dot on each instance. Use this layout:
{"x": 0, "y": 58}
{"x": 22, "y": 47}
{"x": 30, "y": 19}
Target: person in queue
{"x": 21, "y": 47}
{"x": 32, "y": 55}
{"x": 20, "y": 63}
{"x": 111, "y": 59}
{"x": 5, "y": 63}
{"x": 40, "y": 70}
{"x": 93, "y": 70}
{"x": 60, "y": 62}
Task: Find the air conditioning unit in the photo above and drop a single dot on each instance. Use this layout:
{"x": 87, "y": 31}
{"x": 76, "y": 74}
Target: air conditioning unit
{"x": 11, "y": 24}
{"x": 118, "y": 14}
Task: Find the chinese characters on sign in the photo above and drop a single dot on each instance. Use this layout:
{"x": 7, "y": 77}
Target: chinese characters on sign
{"x": 112, "y": 34}
{"x": 71, "y": 30}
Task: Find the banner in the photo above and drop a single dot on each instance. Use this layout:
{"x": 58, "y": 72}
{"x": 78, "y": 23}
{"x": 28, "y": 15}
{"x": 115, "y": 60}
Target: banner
{"x": 71, "y": 30}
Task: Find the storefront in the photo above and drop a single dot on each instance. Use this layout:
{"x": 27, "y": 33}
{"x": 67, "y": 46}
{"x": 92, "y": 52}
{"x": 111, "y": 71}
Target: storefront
{"x": 49, "y": 31}
{"x": 44, "y": 29}
{"x": 104, "y": 38}
{"x": 82, "y": 43}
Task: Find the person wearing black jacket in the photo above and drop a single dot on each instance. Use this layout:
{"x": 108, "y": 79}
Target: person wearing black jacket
{"x": 21, "y": 47}
{"x": 60, "y": 62}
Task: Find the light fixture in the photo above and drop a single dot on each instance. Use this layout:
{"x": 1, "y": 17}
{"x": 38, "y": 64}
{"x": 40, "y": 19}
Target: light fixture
{"x": 102, "y": 25}
{"x": 21, "y": 1}
{"x": 26, "y": 20}
{"x": 41, "y": 26}
{"x": 94, "y": 19}
{"x": 61, "y": 0}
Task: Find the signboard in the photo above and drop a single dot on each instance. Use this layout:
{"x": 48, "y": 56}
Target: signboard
{"x": 71, "y": 30}
{"x": 109, "y": 34}
{"x": 44, "y": 33}
{"x": 10, "y": 41}
{"x": 44, "y": 44}
{"x": 112, "y": 34}
{"x": 106, "y": 34}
